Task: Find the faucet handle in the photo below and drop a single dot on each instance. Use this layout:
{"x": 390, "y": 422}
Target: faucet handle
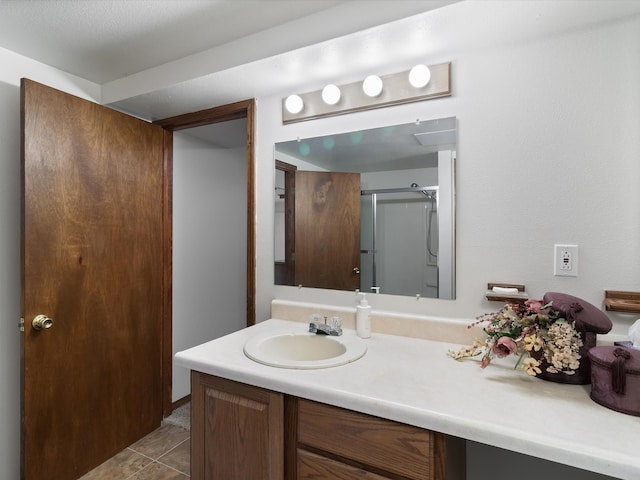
{"x": 318, "y": 327}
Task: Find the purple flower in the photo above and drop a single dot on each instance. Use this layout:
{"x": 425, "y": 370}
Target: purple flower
{"x": 536, "y": 306}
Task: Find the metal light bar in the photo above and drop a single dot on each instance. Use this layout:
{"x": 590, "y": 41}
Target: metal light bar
{"x": 396, "y": 90}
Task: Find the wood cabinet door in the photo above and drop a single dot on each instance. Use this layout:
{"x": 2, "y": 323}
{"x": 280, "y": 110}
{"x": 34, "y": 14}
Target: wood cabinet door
{"x": 236, "y": 430}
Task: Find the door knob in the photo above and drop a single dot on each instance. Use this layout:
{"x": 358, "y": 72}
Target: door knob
{"x": 356, "y": 270}
{"x": 41, "y": 322}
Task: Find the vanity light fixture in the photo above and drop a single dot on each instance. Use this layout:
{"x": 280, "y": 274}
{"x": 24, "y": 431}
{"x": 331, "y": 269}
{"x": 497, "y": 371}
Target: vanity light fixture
{"x": 372, "y": 86}
{"x": 419, "y": 76}
{"x": 422, "y": 82}
{"x": 294, "y": 104}
{"x": 331, "y": 94}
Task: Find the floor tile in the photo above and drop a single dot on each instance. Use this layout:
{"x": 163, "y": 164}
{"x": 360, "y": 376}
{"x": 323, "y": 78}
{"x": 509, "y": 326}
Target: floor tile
{"x": 171, "y": 443}
{"x": 179, "y": 458}
{"x": 181, "y": 416}
{"x": 122, "y": 465}
{"x": 157, "y": 471}
{"x": 160, "y": 441}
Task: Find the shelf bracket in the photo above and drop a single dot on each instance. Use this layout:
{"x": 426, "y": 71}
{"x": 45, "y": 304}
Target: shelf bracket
{"x": 626, "y": 302}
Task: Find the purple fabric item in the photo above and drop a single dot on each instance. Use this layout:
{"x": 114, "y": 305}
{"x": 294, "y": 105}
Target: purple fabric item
{"x": 588, "y": 317}
{"x": 615, "y": 378}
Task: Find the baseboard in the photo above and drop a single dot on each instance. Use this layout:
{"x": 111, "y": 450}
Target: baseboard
{"x": 182, "y": 401}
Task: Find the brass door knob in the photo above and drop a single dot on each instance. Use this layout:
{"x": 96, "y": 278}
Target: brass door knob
{"x": 42, "y": 322}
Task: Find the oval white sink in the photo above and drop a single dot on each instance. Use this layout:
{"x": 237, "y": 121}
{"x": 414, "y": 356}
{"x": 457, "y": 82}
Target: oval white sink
{"x": 304, "y": 350}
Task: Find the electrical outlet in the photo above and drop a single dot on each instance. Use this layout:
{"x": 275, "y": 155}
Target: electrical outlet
{"x": 565, "y": 260}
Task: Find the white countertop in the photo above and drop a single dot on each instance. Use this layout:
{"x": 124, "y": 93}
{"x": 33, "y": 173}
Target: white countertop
{"x": 413, "y": 381}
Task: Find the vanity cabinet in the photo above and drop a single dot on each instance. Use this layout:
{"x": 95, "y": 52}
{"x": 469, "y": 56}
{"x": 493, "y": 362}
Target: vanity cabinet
{"x": 241, "y": 431}
{"x": 236, "y": 430}
{"x": 339, "y": 444}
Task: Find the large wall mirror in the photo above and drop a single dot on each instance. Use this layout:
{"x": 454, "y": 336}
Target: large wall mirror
{"x": 372, "y": 210}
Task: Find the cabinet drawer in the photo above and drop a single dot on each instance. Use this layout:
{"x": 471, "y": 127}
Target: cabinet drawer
{"x": 383, "y": 444}
{"x": 317, "y": 467}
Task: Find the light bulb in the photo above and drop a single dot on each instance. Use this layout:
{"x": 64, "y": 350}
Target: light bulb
{"x": 294, "y": 104}
{"x": 331, "y": 94}
{"x": 372, "y": 86}
{"x": 419, "y": 76}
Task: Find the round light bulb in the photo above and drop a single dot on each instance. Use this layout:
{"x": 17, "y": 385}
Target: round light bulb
{"x": 294, "y": 104}
{"x": 419, "y": 76}
{"x": 331, "y": 94}
{"x": 372, "y": 86}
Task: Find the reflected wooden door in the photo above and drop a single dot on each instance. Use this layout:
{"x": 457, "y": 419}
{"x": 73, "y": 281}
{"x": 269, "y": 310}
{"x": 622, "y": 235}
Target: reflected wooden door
{"x": 91, "y": 261}
{"x": 327, "y": 230}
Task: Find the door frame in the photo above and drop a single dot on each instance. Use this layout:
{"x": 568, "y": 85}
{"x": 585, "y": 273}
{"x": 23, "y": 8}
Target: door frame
{"x": 233, "y": 111}
{"x": 289, "y": 219}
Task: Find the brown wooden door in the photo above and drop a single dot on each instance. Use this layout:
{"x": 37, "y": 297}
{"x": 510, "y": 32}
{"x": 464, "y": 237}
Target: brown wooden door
{"x": 327, "y": 236}
{"x": 91, "y": 261}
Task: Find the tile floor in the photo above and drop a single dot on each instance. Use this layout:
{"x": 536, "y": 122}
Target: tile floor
{"x": 164, "y": 454}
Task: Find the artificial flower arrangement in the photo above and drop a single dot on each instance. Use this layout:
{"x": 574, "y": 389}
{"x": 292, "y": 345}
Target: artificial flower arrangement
{"x": 534, "y": 331}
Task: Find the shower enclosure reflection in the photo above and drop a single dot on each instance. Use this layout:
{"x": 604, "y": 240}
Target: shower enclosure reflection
{"x": 372, "y": 210}
{"x": 406, "y": 261}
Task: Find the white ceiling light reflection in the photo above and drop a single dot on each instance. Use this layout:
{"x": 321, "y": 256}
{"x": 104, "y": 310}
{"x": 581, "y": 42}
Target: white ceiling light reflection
{"x": 304, "y": 149}
{"x": 328, "y": 142}
{"x": 372, "y": 86}
{"x": 419, "y": 76}
{"x": 331, "y": 94}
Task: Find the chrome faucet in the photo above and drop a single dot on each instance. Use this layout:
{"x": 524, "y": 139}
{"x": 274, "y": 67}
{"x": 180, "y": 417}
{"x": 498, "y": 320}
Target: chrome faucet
{"x": 319, "y": 328}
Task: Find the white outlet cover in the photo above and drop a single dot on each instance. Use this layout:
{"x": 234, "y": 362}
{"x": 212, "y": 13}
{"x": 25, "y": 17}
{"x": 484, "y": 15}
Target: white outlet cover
{"x": 565, "y": 260}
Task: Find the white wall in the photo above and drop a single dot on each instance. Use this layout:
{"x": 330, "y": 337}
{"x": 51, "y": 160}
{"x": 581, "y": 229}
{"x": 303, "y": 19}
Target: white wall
{"x": 13, "y": 68}
{"x": 548, "y": 152}
{"x": 209, "y": 246}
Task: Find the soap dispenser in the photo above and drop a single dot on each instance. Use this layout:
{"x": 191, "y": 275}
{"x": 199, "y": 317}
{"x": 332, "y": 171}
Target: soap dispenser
{"x": 363, "y": 317}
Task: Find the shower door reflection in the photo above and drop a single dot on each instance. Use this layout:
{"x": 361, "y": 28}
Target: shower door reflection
{"x": 399, "y": 241}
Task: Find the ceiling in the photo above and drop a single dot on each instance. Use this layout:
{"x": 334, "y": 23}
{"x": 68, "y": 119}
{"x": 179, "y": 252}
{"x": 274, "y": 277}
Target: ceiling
{"x": 160, "y": 58}
{"x": 110, "y": 42}
{"x": 103, "y": 40}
